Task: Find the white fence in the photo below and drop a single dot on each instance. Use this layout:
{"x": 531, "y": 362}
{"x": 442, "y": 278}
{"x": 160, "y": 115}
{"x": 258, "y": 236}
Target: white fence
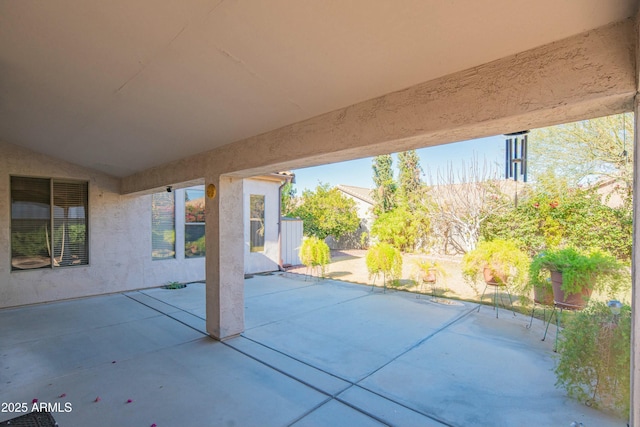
{"x": 291, "y": 240}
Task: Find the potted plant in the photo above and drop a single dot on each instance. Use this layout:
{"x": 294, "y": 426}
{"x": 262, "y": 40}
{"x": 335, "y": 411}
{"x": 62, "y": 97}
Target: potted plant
{"x": 384, "y": 258}
{"x": 594, "y": 357}
{"x": 542, "y": 292}
{"x": 499, "y": 262}
{"x": 315, "y": 254}
{"x": 574, "y": 275}
{"x": 430, "y": 271}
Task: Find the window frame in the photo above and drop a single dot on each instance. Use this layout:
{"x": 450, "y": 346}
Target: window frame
{"x": 252, "y": 246}
{"x": 53, "y": 264}
{"x": 173, "y": 227}
{"x": 193, "y": 224}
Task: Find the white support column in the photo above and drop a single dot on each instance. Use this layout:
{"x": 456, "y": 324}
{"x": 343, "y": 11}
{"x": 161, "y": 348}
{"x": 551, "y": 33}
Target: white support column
{"x": 224, "y": 257}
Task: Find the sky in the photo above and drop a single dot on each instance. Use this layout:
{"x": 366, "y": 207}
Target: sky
{"x": 359, "y": 172}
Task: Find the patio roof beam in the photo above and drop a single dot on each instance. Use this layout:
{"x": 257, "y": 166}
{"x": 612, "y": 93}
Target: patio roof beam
{"x": 584, "y": 76}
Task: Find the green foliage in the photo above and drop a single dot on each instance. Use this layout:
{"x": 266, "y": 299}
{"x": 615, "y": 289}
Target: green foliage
{"x": 579, "y": 270}
{"x": 585, "y": 150}
{"x": 427, "y": 267}
{"x": 175, "y": 285}
{"x": 364, "y": 240}
{"x": 401, "y": 227}
{"x": 594, "y": 358}
{"x": 287, "y": 198}
{"x": 326, "y": 212}
{"x": 573, "y": 217}
{"x": 29, "y": 243}
{"x": 409, "y": 171}
{"x": 507, "y": 263}
{"x": 384, "y": 193}
{"x": 315, "y": 253}
{"x": 195, "y": 248}
{"x": 384, "y": 258}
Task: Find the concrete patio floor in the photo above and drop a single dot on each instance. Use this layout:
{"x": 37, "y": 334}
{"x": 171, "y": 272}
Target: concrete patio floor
{"x": 325, "y": 353}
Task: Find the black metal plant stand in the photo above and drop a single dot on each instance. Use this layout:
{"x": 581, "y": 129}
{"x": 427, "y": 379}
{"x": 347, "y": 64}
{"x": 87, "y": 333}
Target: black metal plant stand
{"x": 544, "y": 313}
{"x": 558, "y": 306}
{"x": 495, "y": 297}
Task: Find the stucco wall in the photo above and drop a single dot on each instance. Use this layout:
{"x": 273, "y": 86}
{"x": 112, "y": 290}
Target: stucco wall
{"x": 119, "y": 239}
{"x": 267, "y": 260}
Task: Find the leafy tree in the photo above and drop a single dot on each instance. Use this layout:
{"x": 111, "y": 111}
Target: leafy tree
{"x": 287, "y": 199}
{"x": 401, "y": 219}
{"x": 401, "y": 227}
{"x": 385, "y": 186}
{"x": 409, "y": 179}
{"x": 587, "y": 150}
{"x": 326, "y": 212}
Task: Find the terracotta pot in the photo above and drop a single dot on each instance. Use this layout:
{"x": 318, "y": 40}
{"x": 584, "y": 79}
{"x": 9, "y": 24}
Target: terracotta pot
{"x": 570, "y": 301}
{"x": 542, "y": 295}
{"x": 493, "y": 279}
{"x": 429, "y": 276}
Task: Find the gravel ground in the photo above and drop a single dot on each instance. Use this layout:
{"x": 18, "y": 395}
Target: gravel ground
{"x": 350, "y": 266}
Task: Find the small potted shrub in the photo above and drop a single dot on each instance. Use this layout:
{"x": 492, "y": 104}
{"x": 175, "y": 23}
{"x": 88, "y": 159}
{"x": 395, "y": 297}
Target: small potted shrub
{"x": 574, "y": 275}
{"x": 315, "y": 254}
{"x": 384, "y": 258}
{"x": 498, "y": 262}
{"x": 430, "y": 271}
{"x": 594, "y": 358}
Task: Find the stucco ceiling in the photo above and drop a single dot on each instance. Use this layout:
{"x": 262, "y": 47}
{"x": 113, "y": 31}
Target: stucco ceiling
{"x": 124, "y": 85}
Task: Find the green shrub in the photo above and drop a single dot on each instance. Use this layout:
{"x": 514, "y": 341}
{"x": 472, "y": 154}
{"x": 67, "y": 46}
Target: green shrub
{"x": 508, "y": 264}
{"x": 579, "y": 270}
{"x": 576, "y": 218}
{"x": 594, "y": 358}
{"x": 401, "y": 227}
{"x": 315, "y": 253}
{"x": 384, "y": 258}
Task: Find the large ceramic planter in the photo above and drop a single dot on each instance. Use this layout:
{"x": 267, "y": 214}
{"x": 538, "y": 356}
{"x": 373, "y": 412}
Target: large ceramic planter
{"x": 571, "y": 301}
{"x": 542, "y": 295}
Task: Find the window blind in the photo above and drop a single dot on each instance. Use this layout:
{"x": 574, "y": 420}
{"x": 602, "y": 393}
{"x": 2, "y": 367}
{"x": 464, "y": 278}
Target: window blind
{"x": 163, "y": 235}
{"x": 256, "y": 222}
{"x": 49, "y": 223}
{"x": 70, "y": 200}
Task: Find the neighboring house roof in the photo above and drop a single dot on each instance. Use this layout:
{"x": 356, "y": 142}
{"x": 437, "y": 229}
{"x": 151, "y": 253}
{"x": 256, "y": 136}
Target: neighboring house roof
{"x": 276, "y": 176}
{"x": 505, "y": 186}
{"x": 609, "y": 191}
{"x": 361, "y": 193}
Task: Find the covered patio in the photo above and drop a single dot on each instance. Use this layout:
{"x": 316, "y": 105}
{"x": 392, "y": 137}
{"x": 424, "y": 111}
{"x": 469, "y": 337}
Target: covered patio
{"x": 128, "y": 99}
{"x": 313, "y": 354}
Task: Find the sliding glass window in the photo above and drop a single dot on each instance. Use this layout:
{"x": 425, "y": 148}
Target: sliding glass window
{"x": 256, "y": 222}
{"x": 49, "y": 223}
{"x": 163, "y": 229}
{"x": 194, "y": 245}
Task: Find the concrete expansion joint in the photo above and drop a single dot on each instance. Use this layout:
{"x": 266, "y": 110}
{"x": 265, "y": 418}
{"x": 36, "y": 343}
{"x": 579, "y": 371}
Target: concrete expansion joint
{"x": 349, "y": 384}
{"x": 165, "y": 313}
